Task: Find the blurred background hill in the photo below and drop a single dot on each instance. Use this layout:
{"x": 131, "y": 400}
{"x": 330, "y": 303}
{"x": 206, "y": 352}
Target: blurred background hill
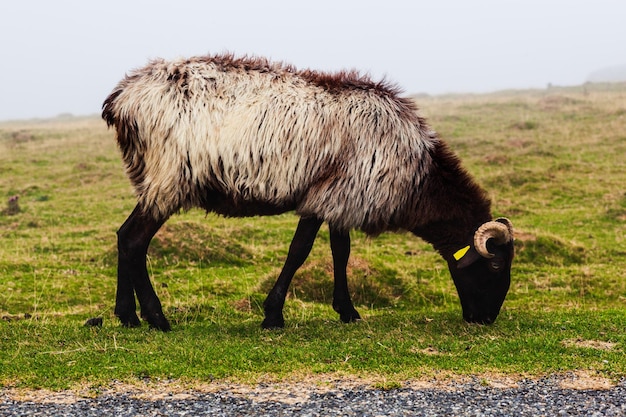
{"x": 615, "y": 74}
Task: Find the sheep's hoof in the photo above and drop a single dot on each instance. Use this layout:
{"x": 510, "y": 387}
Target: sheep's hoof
{"x": 129, "y": 320}
{"x": 157, "y": 321}
{"x": 273, "y": 324}
{"x": 350, "y": 316}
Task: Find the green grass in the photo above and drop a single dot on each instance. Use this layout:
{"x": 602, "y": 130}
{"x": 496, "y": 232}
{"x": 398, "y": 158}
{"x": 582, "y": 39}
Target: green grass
{"x": 553, "y": 161}
{"x": 398, "y": 344}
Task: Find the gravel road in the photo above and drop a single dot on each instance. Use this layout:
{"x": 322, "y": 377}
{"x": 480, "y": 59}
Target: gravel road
{"x": 475, "y": 397}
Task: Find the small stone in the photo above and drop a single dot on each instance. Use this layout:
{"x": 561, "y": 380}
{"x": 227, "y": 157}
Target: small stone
{"x": 94, "y": 322}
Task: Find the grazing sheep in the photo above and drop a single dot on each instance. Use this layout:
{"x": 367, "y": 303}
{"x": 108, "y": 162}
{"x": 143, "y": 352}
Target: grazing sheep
{"x": 245, "y": 137}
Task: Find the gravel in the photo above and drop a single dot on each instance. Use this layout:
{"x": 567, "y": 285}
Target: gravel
{"x": 543, "y": 397}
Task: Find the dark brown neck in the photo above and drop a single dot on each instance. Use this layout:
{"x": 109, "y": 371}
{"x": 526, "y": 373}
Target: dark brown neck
{"x": 452, "y": 206}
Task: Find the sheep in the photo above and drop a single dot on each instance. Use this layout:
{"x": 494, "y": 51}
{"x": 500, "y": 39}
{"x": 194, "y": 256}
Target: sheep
{"x": 244, "y": 136}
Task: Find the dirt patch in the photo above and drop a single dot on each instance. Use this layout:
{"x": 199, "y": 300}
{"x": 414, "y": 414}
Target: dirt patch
{"x": 589, "y": 344}
{"x": 584, "y": 380}
{"x": 428, "y": 351}
{"x": 297, "y": 390}
{"x": 43, "y": 396}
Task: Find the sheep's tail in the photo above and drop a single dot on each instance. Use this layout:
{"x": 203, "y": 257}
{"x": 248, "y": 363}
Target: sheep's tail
{"x": 124, "y": 128}
{"x": 108, "y": 111}
{"x": 129, "y": 142}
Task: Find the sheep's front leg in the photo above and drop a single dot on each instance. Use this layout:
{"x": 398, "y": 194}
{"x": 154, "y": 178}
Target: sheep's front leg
{"x": 133, "y": 239}
{"x": 299, "y": 250}
{"x": 342, "y": 303}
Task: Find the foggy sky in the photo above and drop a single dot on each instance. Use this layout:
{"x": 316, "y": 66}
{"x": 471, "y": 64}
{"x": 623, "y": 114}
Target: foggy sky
{"x": 65, "y": 56}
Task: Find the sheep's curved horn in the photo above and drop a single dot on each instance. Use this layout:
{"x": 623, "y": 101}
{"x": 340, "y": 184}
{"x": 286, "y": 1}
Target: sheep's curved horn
{"x": 500, "y": 230}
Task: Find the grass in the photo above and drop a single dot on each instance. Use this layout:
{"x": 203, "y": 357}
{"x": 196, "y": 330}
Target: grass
{"x": 554, "y": 161}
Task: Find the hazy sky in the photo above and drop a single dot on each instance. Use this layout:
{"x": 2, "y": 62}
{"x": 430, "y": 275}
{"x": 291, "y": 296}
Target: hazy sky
{"x": 65, "y": 56}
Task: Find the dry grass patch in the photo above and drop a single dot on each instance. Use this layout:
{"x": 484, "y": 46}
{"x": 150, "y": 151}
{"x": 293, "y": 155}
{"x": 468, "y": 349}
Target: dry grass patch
{"x": 589, "y": 344}
{"x": 298, "y": 389}
{"x": 585, "y": 380}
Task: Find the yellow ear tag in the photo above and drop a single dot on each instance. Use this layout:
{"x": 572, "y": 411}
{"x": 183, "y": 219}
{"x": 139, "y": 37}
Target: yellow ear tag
{"x": 461, "y": 253}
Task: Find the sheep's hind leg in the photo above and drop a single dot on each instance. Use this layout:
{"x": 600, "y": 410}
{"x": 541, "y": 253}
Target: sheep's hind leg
{"x": 342, "y": 303}
{"x": 133, "y": 239}
{"x": 299, "y": 250}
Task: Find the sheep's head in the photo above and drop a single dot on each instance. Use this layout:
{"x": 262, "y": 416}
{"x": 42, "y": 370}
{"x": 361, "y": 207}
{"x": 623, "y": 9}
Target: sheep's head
{"x": 482, "y": 271}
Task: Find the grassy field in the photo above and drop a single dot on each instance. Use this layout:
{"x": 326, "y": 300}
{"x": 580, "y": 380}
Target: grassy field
{"x": 553, "y": 161}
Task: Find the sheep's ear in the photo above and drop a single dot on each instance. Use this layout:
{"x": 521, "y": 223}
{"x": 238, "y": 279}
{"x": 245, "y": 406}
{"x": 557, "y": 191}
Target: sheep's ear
{"x": 465, "y": 256}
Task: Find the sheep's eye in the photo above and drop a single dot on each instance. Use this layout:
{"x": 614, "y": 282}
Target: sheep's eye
{"x": 495, "y": 265}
